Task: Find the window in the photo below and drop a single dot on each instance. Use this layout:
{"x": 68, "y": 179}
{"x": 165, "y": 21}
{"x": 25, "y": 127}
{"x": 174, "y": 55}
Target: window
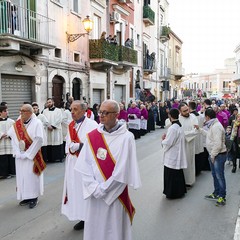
{"x": 146, "y": 2}
{"x": 76, "y": 57}
{"x": 138, "y": 40}
{"x": 75, "y": 6}
{"x": 96, "y": 27}
{"x": 58, "y": 53}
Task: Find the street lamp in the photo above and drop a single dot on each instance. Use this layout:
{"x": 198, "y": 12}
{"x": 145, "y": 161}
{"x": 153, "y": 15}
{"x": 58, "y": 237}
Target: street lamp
{"x": 88, "y": 25}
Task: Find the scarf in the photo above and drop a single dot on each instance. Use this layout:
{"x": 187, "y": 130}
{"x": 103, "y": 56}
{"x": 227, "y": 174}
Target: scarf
{"x": 235, "y": 130}
{"x": 208, "y": 124}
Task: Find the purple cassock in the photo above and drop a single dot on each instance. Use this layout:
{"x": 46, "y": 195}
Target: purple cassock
{"x": 198, "y": 107}
{"x": 144, "y": 113}
{"x": 227, "y": 112}
{"x": 135, "y": 111}
{"x": 175, "y": 105}
{"x": 222, "y": 118}
{"x": 123, "y": 115}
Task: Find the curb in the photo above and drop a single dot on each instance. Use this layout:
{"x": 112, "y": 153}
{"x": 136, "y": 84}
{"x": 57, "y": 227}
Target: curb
{"x": 237, "y": 228}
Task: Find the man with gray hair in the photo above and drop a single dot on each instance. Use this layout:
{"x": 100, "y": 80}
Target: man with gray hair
{"x": 73, "y": 204}
{"x": 27, "y": 139}
{"x": 108, "y": 164}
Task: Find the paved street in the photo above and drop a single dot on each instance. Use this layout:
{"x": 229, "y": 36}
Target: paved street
{"x": 156, "y": 218}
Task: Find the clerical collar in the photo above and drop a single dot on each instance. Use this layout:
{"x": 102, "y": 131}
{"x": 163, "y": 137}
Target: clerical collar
{"x": 177, "y": 122}
{"x": 51, "y": 109}
{"x": 115, "y": 128}
{"x": 26, "y": 122}
{"x": 195, "y": 113}
{"x": 80, "y": 120}
{"x": 3, "y": 119}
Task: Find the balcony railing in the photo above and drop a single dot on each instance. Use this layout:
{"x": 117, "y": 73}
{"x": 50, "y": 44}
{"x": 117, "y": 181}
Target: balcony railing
{"x": 127, "y": 54}
{"x": 148, "y": 15}
{"x": 100, "y": 49}
{"x": 103, "y": 51}
{"x": 24, "y": 23}
{"x": 164, "y": 33}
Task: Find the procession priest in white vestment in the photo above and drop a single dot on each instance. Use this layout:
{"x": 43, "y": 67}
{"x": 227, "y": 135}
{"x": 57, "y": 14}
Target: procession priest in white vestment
{"x": 7, "y": 161}
{"x": 45, "y": 125}
{"x": 73, "y": 204}
{"x": 189, "y": 122}
{"x": 27, "y": 139}
{"x": 54, "y": 137}
{"x": 108, "y": 165}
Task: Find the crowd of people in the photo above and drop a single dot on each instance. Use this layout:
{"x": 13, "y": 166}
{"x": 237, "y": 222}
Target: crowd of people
{"x": 201, "y": 135}
{"x": 97, "y": 172}
{"x": 210, "y": 129}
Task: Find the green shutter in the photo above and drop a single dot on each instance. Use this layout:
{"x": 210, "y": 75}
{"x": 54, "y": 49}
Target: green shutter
{"x": 32, "y": 26}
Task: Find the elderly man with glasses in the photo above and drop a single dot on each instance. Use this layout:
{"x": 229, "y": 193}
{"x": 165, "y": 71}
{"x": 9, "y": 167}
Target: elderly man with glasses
{"x": 108, "y": 164}
{"x": 27, "y": 139}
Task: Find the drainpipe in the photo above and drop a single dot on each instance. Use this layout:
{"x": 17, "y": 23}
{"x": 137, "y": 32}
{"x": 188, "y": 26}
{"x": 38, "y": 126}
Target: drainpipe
{"x": 108, "y": 30}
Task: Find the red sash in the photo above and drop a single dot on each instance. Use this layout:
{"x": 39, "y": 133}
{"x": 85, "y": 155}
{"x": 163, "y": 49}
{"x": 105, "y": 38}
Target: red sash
{"x": 21, "y": 132}
{"x": 73, "y": 136}
{"x": 89, "y": 113}
{"x": 106, "y": 167}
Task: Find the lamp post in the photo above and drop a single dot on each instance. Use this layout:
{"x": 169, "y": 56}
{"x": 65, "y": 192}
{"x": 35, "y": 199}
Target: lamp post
{"x": 88, "y": 26}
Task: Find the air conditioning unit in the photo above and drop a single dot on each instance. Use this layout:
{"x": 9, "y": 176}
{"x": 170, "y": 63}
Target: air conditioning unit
{"x": 115, "y": 16}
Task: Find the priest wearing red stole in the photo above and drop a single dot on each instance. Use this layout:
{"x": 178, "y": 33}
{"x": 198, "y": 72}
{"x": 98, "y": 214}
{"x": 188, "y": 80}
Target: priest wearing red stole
{"x": 108, "y": 165}
{"x": 27, "y": 139}
{"x": 73, "y": 204}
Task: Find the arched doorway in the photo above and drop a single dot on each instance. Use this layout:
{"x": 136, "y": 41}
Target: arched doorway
{"x": 57, "y": 90}
{"x": 77, "y": 89}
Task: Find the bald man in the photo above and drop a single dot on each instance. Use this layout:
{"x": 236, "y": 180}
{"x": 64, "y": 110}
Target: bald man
{"x": 108, "y": 164}
{"x": 27, "y": 139}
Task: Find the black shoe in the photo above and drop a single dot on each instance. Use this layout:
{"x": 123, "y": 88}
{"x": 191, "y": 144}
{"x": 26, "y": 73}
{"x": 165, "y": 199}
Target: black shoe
{"x": 79, "y": 226}
{"x": 24, "y": 202}
{"x": 234, "y": 170}
{"x": 33, "y": 203}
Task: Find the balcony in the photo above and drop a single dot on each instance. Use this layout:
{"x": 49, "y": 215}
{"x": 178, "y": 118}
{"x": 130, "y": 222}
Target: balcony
{"x": 103, "y": 55}
{"x": 164, "y": 34}
{"x": 127, "y": 56}
{"x": 22, "y": 28}
{"x": 148, "y": 15}
{"x": 149, "y": 61}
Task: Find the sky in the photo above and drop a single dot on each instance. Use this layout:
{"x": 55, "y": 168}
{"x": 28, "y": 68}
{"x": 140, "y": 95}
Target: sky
{"x": 209, "y": 29}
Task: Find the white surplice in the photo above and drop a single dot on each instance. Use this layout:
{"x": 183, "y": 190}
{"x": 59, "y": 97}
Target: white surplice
{"x": 45, "y": 124}
{"x": 5, "y": 143}
{"x": 174, "y": 155}
{"x": 74, "y": 209}
{"x": 54, "y": 118}
{"x": 29, "y": 185}
{"x": 66, "y": 119}
{"x": 106, "y": 218}
{"x": 190, "y": 134}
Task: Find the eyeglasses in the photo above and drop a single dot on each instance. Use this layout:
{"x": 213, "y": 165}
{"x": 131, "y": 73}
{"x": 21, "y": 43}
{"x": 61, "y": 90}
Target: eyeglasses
{"x": 23, "y": 110}
{"x": 104, "y": 113}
